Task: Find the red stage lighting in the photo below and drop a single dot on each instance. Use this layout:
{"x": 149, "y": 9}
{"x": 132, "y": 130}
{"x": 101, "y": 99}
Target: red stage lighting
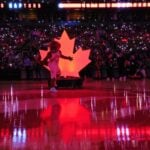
{"x": 1, "y": 5}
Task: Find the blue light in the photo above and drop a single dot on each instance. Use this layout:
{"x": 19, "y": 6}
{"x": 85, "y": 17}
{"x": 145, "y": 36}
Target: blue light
{"x": 20, "y": 5}
{"x": 15, "y": 6}
{"x": 60, "y": 5}
{"x": 10, "y": 5}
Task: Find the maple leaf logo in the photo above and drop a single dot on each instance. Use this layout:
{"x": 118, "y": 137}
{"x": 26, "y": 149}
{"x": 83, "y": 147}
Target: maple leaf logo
{"x": 80, "y": 57}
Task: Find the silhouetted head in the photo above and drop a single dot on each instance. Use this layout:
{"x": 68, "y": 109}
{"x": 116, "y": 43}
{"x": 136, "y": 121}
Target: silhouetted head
{"x": 54, "y": 45}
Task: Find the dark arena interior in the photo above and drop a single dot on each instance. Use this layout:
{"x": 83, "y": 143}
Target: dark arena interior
{"x": 105, "y": 107}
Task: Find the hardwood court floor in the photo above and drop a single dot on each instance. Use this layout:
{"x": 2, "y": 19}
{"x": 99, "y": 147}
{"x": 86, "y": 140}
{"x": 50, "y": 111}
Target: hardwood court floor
{"x": 109, "y": 115}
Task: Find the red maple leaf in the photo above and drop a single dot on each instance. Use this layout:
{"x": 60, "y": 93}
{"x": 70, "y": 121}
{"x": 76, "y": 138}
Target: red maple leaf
{"x": 80, "y": 58}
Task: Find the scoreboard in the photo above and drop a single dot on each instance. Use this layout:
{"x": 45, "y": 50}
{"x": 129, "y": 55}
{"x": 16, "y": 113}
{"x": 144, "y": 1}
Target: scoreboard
{"x": 74, "y": 4}
{"x": 90, "y": 4}
{"x": 101, "y": 1}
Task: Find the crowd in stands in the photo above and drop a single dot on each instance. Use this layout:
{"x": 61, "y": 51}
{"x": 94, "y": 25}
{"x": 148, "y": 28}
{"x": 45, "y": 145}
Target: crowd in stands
{"x": 118, "y": 49}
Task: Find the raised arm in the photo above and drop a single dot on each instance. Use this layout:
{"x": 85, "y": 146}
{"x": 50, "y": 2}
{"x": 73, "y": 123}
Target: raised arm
{"x": 66, "y": 57}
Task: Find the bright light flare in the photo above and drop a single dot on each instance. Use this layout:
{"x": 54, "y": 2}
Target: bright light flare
{"x": 102, "y": 5}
